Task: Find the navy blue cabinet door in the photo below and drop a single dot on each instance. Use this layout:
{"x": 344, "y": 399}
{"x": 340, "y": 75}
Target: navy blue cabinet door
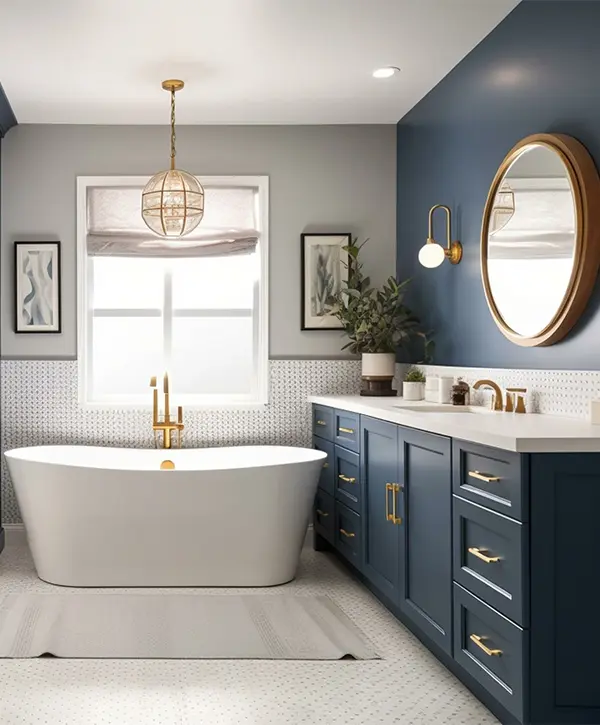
{"x": 425, "y": 540}
{"x": 379, "y": 474}
{"x": 565, "y": 588}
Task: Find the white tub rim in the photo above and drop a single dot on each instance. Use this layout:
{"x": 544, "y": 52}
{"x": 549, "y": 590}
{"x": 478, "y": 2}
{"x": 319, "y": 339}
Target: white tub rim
{"x": 186, "y": 460}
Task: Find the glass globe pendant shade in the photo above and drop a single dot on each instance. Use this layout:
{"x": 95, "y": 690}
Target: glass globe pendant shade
{"x": 173, "y": 203}
{"x": 503, "y": 209}
{"x": 431, "y": 255}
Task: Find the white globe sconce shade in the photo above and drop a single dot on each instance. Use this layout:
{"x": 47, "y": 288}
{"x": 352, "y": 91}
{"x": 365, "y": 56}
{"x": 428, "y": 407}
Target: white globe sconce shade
{"x": 433, "y": 254}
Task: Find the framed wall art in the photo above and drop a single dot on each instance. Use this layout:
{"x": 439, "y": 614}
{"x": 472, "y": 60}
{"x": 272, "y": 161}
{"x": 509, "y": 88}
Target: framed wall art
{"x": 324, "y": 269}
{"x": 37, "y": 287}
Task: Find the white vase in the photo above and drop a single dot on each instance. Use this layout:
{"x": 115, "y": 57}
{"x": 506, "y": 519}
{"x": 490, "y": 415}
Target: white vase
{"x": 378, "y": 364}
{"x": 413, "y": 391}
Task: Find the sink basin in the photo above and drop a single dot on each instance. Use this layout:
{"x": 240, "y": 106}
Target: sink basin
{"x": 442, "y": 409}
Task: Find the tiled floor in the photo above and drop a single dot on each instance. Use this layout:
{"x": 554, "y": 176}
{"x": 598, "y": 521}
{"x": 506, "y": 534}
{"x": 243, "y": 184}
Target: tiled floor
{"x": 407, "y": 686}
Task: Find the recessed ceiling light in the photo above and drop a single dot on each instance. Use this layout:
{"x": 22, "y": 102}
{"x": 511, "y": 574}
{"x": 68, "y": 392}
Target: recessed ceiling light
{"x": 386, "y": 72}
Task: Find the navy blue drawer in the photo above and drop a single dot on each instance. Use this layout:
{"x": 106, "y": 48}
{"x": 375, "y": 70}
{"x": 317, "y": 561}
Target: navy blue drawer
{"x": 347, "y": 429}
{"x": 324, "y": 514}
{"x": 348, "y": 534}
{"x": 491, "y": 649}
{"x": 490, "y": 558}
{"x": 326, "y": 478}
{"x": 491, "y": 477}
{"x": 347, "y": 478}
{"x": 323, "y": 422}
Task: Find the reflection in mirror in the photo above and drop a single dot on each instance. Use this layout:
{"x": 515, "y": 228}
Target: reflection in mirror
{"x": 531, "y": 241}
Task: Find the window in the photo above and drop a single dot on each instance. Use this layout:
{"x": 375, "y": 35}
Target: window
{"x": 195, "y": 307}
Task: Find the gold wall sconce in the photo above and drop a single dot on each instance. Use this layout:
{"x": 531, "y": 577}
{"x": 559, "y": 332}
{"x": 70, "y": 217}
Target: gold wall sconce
{"x": 433, "y": 254}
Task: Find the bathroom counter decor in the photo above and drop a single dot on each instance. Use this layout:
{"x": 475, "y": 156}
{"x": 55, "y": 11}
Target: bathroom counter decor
{"x": 530, "y": 433}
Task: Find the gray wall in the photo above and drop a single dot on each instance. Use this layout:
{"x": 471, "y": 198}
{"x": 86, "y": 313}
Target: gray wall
{"x": 322, "y": 178}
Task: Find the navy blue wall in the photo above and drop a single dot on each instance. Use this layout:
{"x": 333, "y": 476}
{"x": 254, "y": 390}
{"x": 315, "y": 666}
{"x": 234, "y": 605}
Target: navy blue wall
{"x": 537, "y": 72}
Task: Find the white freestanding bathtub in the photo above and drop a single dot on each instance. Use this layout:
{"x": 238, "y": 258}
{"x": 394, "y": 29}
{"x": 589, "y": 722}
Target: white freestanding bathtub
{"x": 111, "y": 517}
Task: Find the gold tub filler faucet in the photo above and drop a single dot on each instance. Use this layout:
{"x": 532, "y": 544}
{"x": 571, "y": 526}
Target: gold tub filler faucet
{"x": 166, "y": 425}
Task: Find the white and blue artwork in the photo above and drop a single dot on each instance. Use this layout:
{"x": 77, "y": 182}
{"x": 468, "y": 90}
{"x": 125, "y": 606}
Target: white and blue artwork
{"x": 37, "y": 286}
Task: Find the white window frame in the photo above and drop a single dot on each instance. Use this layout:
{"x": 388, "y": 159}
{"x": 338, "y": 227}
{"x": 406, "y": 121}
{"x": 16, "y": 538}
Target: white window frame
{"x": 260, "y": 397}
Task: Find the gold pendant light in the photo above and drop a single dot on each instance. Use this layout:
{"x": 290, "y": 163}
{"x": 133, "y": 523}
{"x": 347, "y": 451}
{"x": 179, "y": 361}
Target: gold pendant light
{"x": 503, "y": 209}
{"x": 173, "y": 200}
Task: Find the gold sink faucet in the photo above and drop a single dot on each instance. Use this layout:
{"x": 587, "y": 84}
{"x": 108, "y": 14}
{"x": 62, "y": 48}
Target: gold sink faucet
{"x": 496, "y": 403}
{"x": 166, "y": 425}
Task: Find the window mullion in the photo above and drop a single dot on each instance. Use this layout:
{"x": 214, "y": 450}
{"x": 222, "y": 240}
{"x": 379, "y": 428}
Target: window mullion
{"x": 168, "y": 318}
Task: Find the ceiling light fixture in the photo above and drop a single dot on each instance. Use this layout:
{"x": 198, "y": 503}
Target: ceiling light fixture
{"x": 386, "y": 72}
{"x": 173, "y": 200}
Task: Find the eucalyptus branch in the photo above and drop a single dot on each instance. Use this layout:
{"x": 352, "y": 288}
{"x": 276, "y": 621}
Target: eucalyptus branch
{"x": 376, "y": 320}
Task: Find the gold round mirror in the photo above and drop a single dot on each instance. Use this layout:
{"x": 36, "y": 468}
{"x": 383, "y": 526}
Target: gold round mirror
{"x": 540, "y": 239}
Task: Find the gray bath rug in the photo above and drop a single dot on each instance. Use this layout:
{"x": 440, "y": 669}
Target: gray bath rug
{"x": 178, "y": 626}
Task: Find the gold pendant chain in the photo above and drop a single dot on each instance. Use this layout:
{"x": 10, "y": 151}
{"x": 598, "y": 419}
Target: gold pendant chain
{"x": 172, "y": 128}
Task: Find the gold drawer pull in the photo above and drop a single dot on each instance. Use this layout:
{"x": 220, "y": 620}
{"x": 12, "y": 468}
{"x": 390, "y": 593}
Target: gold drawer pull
{"x": 479, "y": 553}
{"x": 321, "y": 422}
{"x": 346, "y": 479}
{"x": 476, "y": 639}
{"x": 483, "y": 477}
{"x": 388, "y": 487}
{"x": 350, "y": 535}
{"x": 324, "y": 514}
{"x": 345, "y": 430}
{"x": 395, "y": 519}
{"x": 326, "y": 465}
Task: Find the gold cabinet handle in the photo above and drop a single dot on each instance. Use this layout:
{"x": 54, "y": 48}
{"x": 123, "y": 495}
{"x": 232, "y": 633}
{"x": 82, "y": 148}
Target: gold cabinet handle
{"x": 476, "y": 639}
{"x": 345, "y": 430}
{"x": 346, "y": 479}
{"x": 326, "y": 465}
{"x": 484, "y": 557}
{"x": 324, "y": 514}
{"x": 483, "y": 477}
{"x": 321, "y": 422}
{"x": 350, "y": 535}
{"x": 388, "y": 487}
{"x": 395, "y": 488}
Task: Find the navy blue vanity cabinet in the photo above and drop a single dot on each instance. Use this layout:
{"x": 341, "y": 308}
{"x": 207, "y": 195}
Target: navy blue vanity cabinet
{"x": 381, "y": 509}
{"x": 425, "y": 594}
{"x": 326, "y": 477}
{"x": 322, "y": 418}
{"x": 346, "y": 430}
{"x": 565, "y": 588}
{"x": 346, "y": 478}
{"x": 337, "y": 512}
{"x": 490, "y": 556}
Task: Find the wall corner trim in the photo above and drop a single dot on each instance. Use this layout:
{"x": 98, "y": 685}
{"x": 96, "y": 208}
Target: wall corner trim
{"x": 7, "y": 116}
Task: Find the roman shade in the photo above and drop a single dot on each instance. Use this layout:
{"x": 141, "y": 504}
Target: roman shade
{"x": 115, "y": 226}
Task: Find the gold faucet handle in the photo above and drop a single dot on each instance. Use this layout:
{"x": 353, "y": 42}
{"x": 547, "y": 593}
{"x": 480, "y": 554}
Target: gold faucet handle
{"x": 153, "y": 381}
{"x": 520, "y": 398}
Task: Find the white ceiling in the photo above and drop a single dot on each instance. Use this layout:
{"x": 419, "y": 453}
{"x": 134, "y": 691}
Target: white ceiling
{"x": 243, "y": 61}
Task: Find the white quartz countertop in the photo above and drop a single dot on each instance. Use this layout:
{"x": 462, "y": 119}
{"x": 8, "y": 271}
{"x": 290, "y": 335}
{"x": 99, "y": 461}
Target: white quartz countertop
{"x": 524, "y": 433}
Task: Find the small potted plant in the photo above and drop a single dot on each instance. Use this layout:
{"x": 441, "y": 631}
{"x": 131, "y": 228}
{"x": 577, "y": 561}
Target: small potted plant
{"x": 377, "y": 323}
{"x": 413, "y": 387}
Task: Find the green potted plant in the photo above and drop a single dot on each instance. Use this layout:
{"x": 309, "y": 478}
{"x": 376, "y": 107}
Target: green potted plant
{"x": 413, "y": 387}
{"x": 377, "y": 323}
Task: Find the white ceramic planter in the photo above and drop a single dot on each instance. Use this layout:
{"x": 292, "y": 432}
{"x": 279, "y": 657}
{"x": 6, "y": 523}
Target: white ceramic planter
{"x": 413, "y": 391}
{"x": 378, "y": 364}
